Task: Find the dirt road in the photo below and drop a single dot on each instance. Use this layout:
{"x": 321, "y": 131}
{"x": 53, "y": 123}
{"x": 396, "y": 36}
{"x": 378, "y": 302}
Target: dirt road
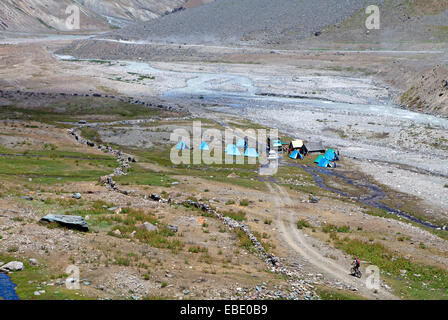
{"x": 296, "y": 240}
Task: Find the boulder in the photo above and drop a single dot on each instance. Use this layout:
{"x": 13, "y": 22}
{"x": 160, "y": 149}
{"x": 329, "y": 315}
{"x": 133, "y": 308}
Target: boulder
{"x": 173, "y": 228}
{"x": 72, "y": 222}
{"x": 314, "y": 199}
{"x": 12, "y": 266}
{"x": 76, "y": 195}
{"x": 34, "y": 262}
{"x": 148, "y": 227}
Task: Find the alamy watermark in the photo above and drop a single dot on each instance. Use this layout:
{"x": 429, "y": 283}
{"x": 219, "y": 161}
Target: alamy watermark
{"x": 72, "y": 281}
{"x": 212, "y": 146}
{"x": 373, "y": 277}
{"x": 373, "y": 20}
{"x": 73, "y": 21}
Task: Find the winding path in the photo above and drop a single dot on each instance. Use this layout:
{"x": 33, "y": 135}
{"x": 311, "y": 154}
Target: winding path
{"x": 296, "y": 240}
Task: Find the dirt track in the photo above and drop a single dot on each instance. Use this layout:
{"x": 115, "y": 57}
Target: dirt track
{"x": 296, "y": 240}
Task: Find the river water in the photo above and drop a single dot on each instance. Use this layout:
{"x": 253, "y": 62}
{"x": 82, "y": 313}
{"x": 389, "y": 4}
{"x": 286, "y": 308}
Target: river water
{"x": 7, "y": 288}
{"x": 302, "y": 117}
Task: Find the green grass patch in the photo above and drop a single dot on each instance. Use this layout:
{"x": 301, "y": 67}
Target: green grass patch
{"x": 238, "y": 216}
{"x": 74, "y": 108}
{"x": 91, "y": 134}
{"x": 141, "y": 176}
{"x": 127, "y": 222}
{"x": 326, "y": 293}
{"x": 421, "y": 281}
{"x": 332, "y": 228}
{"x": 303, "y": 224}
{"x": 244, "y": 240}
{"x": 52, "y": 167}
{"x": 36, "y": 275}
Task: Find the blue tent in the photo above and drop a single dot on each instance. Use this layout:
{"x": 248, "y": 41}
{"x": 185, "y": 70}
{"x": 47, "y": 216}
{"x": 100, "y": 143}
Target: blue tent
{"x": 182, "y": 146}
{"x": 204, "y": 146}
{"x": 319, "y": 157}
{"x": 251, "y": 152}
{"x": 296, "y": 154}
{"x": 232, "y": 150}
{"x": 241, "y": 143}
{"x": 331, "y": 155}
{"x": 325, "y": 163}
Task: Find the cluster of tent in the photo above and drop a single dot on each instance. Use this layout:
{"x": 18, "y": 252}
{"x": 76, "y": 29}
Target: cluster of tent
{"x": 328, "y": 160}
{"x": 298, "y": 150}
{"x": 184, "y": 146}
{"x": 234, "y": 149}
{"x": 231, "y": 149}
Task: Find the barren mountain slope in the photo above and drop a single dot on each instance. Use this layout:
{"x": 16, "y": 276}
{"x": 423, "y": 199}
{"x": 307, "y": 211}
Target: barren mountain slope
{"x": 50, "y": 15}
{"x": 250, "y": 20}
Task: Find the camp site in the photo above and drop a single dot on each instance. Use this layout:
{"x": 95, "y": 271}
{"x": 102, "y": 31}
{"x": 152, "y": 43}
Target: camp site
{"x": 197, "y": 156}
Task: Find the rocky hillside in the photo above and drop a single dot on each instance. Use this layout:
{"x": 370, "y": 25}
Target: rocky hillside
{"x": 427, "y": 91}
{"x": 288, "y": 22}
{"x": 249, "y": 21}
{"x": 40, "y": 16}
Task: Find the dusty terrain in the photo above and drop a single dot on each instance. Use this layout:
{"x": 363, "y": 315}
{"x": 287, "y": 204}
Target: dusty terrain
{"x": 205, "y": 259}
{"x": 50, "y": 16}
{"x": 94, "y": 114}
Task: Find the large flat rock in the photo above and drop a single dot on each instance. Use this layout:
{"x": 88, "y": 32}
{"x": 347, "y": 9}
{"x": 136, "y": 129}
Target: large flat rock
{"x": 72, "y": 222}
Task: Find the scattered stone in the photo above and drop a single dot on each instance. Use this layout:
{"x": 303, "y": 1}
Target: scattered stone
{"x": 12, "y": 266}
{"x": 76, "y": 196}
{"x": 148, "y": 227}
{"x": 28, "y": 198}
{"x": 233, "y": 175}
{"x": 34, "y": 262}
{"x": 314, "y": 199}
{"x": 117, "y": 232}
{"x": 173, "y": 228}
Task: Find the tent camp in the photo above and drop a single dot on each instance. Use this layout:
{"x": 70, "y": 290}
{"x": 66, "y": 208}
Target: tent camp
{"x": 315, "y": 147}
{"x": 251, "y": 152}
{"x": 298, "y": 145}
{"x": 295, "y": 155}
{"x": 325, "y": 163}
{"x": 319, "y": 157}
{"x": 232, "y": 150}
{"x": 182, "y": 146}
{"x": 331, "y": 155}
{"x": 204, "y": 146}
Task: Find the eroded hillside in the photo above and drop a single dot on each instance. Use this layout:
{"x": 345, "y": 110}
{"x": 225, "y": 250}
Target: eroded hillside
{"x": 50, "y": 15}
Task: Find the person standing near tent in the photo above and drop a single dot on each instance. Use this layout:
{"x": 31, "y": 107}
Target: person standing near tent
{"x": 246, "y": 143}
{"x": 268, "y": 141}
